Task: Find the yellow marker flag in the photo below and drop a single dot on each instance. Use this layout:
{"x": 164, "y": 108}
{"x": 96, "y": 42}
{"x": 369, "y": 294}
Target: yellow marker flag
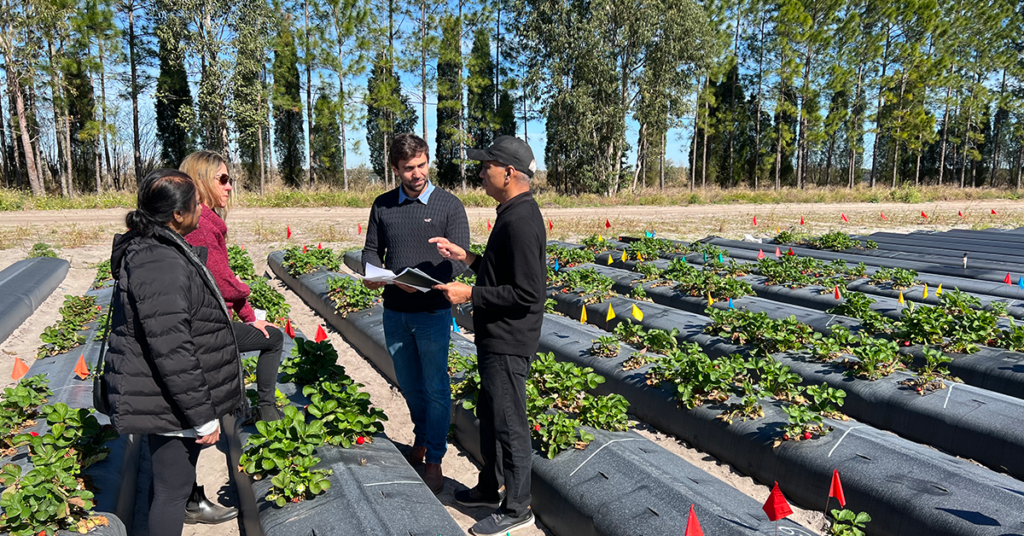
{"x": 777, "y": 230}
{"x": 925, "y": 290}
{"x": 711, "y": 301}
{"x": 938, "y": 290}
{"x": 637, "y": 313}
{"x": 624, "y": 256}
{"x": 583, "y": 315}
{"x": 609, "y": 259}
{"x": 600, "y": 238}
{"x": 901, "y": 300}
{"x": 611, "y": 314}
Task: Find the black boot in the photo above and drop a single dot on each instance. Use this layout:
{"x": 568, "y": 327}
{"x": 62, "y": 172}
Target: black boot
{"x": 199, "y": 509}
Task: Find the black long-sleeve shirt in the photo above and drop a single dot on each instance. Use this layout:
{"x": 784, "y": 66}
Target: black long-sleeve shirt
{"x": 397, "y": 238}
{"x": 508, "y": 299}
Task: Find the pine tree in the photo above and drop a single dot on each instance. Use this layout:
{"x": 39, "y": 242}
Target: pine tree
{"x": 387, "y": 113}
{"x": 326, "y": 133}
{"x": 480, "y": 87}
{"x": 173, "y": 97}
{"x": 248, "y": 106}
{"x": 287, "y": 101}
{"x": 447, "y": 148}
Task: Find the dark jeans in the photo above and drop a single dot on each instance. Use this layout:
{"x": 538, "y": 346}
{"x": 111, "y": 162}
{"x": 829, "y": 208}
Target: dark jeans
{"x": 418, "y": 344}
{"x": 174, "y": 471}
{"x": 250, "y": 339}
{"x": 504, "y": 430}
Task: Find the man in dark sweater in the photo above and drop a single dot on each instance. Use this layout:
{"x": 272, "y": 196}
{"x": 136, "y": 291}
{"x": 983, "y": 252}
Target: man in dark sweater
{"x": 508, "y": 309}
{"x": 417, "y": 325}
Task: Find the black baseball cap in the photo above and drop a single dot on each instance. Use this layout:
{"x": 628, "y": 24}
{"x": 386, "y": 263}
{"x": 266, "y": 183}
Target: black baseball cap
{"x": 509, "y": 151}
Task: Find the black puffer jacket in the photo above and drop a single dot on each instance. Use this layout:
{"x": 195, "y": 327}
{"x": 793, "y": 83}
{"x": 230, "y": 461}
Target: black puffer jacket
{"x": 172, "y": 363}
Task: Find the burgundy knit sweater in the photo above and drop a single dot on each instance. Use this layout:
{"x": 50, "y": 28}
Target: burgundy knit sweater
{"x": 211, "y": 234}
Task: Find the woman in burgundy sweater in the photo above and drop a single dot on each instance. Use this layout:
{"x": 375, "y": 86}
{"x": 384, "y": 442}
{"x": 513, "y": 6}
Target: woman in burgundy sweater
{"x": 210, "y": 173}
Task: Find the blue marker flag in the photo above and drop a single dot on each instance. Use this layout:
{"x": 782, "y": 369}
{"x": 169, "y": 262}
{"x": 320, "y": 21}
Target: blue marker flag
{"x": 720, "y": 259}
{"x": 705, "y": 257}
{"x": 1020, "y": 282}
{"x": 730, "y": 304}
{"x": 648, "y": 234}
{"x": 556, "y": 265}
{"x": 455, "y": 326}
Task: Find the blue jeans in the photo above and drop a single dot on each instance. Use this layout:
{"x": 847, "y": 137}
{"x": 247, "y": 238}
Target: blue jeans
{"x": 418, "y": 344}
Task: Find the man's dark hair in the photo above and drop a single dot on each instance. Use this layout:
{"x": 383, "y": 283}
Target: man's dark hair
{"x": 161, "y": 193}
{"x": 406, "y": 147}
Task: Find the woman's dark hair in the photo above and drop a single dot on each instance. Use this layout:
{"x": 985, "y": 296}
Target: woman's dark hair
{"x": 161, "y": 193}
{"x": 406, "y": 147}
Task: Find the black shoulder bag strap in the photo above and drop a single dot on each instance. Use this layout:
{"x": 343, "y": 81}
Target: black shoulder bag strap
{"x": 99, "y": 387}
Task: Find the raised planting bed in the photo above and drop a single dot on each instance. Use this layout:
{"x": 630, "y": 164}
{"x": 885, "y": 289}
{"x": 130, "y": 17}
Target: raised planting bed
{"x": 628, "y": 486}
{"x": 24, "y": 285}
{"x": 949, "y": 247}
{"x": 908, "y": 489}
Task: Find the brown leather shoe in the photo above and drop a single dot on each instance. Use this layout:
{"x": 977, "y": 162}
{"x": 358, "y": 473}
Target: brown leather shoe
{"x": 416, "y": 455}
{"x": 433, "y": 478}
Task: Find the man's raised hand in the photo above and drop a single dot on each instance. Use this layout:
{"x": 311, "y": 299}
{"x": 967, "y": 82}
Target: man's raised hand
{"x": 448, "y": 250}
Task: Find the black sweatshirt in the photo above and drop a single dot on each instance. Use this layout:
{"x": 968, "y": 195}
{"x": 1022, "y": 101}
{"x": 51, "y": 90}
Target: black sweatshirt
{"x": 397, "y": 238}
{"x": 511, "y": 282}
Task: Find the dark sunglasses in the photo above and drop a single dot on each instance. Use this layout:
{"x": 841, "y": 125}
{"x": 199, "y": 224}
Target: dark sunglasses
{"x": 224, "y": 179}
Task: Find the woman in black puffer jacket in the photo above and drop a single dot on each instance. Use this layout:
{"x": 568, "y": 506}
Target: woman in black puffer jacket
{"x": 172, "y": 369}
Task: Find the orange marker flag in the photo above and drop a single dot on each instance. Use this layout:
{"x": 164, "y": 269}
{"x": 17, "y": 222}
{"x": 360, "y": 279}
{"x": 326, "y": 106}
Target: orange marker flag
{"x": 288, "y": 228}
{"x": 692, "y": 525}
{"x": 81, "y": 369}
{"x": 882, "y": 214}
{"x": 755, "y": 221}
{"x": 760, "y": 254}
{"x": 778, "y": 253}
{"x": 844, "y": 218}
{"x": 776, "y": 506}
{"x": 836, "y": 490}
{"x": 321, "y": 335}
{"x": 20, "y": 369}
{"x": 288, "y": 329}
{"x": 838, "y": 295}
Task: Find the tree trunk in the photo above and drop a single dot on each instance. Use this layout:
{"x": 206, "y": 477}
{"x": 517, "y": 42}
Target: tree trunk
{"x": 881, "y": 104}
{"x": 134, "y": 94}
{"x": 757, "y": 120}
{"x": 732, "y": 95}
{"x": 423, "y": 63}
{"x": 696, "y": 115}
{"x": 263, "y": 173}
{"x": 103, "y": 112}
{"x": 34, "y": 180}
{"x": 661, "y": 168}
{"x": 896, "y": 138}
{"x": 945, "y": 129}
{"x": 995, "y": 137}
{"x": 309, "y": 100}
{"x": 800, "y": 121}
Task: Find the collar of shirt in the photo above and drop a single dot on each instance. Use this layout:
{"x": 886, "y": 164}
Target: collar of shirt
{"x": 424, "y": 196}
{"x": 514, "y": 201}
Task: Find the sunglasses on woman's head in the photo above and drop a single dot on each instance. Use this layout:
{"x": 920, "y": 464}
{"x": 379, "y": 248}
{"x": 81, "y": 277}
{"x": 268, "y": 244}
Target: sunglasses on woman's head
{"x": 224, "y": 179}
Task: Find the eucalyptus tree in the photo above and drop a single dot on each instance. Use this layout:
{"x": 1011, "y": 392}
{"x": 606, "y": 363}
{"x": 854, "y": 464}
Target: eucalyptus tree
{"x": 20, "y": 51}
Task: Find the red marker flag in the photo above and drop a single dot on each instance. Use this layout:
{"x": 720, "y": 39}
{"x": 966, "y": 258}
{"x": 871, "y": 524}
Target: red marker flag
{"x": 303, "y": 249}
{"x": 81, "y": 369}
{"x": 776, "y": 506}
{"x": 838, "y": 296}
{"x": 488, "y": 225}
{"x": 923, "y": 215}
{"x": 1007, "y": 279}
{"x": 755, "y": 221}
{"x": 288, "y": 228}
{"x": 882, "y": 214}
{"x": 607, "y": 224}
{"x": 837, "y": 489}
{"x": 961, "y": 213}
{"x": 801, "y": 220}
{"x": 777, "y": 252}
{"x": 760, "y": 254}
{"x": 844, "y": 218}
{"x": 288, "y": 329}
{"x": 321, "y": 335}
{"x": 20, "y": 369}
{"x": 359, "y": 229}
{"x": 994, "y": 211}
{"x": 551, "y": 226}
{"x": 319, "y": 245}
{"x": 692, "y": 525}
{"x": 790, "y": 253}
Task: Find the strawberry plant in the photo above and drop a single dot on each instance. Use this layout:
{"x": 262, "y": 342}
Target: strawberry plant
{"x": 285, "y": 447}
{"x": 630, "y": 333}
{"x": 297, "y": 262}
{"x": 477, "y": 249}
{"x": 803, "y": 423}
{"x": 557, "y": 432}
{"x": 776, "y": 379}
{"x": 693, "y": 282}
{"x": 349, "y": 295}
{"x": 345, "y": 412}
{"x": 825, "y": 400}
{"x": 467, "y": 278}
{"x": 103, "y": 273}
{"x": 898, "y": 278}
{"x": 766, "y": 334}
{"x": 877, "y": 358}
{"x": 749, "y": 408}
{"x": 848, "y": 523}
{"x": 789, "y": 237}
{"x": 605, "y": 412}
{"x": 648, "y": 249}
{"x": 833, "y": 345}
{"x": 589, "y": 284}
{"x": 857, "y": 305}
{"x": 596, "y": 244}
{"x": 549, "y": 306}
{"x": 43, "y": 500}
{"x": 311, "y": 362}
{"x": 1013, "y": 338}
{"x": 568, "y": 257}
{"x": 240, "y": 263}
{"x": 265, "y": 297}
{"x": 835, "y": 241}
{"x": 468, "y": 387}
{"x": 605, "y": 346}
{"x": 649, "y": 271}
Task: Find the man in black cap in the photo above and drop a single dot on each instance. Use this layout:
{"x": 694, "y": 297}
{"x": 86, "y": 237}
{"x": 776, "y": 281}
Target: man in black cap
{"x": 508, "y": 309}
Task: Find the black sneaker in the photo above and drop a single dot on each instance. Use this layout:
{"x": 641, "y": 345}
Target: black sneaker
{"x": 268, "y": 414}
{"x": 500, "y": 523}
{"x": 473, "y": 497}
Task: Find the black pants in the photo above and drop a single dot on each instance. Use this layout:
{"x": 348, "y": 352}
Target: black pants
{"x": 251, "y": 339}
{"x": 174, "y": 471}
{"x": 504, "y": 430}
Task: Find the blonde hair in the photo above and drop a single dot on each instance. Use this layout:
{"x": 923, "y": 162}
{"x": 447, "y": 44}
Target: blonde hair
{"x": 202, "y": 166}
